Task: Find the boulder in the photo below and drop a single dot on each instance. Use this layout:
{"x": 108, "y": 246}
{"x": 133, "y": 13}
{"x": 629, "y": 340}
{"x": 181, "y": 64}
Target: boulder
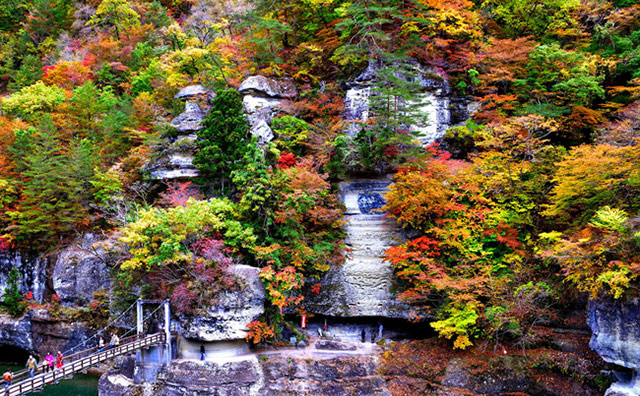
{"x": 80, "y": 270}
{"x": 624, "y": 389}
{"x": 191, "y": 92}
{"x": 232, "y": 378}
{"x": 329, "y": 345}
{"x": 615, "y": 326}
{"x": 342, "y": 376}
{"x": 270, "y": 376}
{"x": 115, "y": 385}
{"x": 263, "y": 131}
{"x": 259, "y": 108}
{"x": 228, "y": 319}
{"x": 264, "y": 86}
{"x": 264, "y": 98}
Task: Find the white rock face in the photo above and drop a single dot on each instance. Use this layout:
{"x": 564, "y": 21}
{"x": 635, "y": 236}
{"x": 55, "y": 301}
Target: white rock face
{"x": 264, "y": 98}
{"x": 175, "y": 174}
{"x": 190, "y": 120}
{"x": 264, "y": 86}
{"x": 263, "y": 131}
{"x": 191, "y": 91}
{"x": 434, "y": 103}
{"x": 235, "y": 309}
{"x": 261, "y": 109}
{"x": 356, "y": 107}
{"x": 618, "y": 389}
{"x": 436, "y": 109}
{"x": 362, "y": 285}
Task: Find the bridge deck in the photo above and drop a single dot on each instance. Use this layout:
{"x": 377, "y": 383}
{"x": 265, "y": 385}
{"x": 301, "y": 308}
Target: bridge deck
{"x": 79, "y": 361}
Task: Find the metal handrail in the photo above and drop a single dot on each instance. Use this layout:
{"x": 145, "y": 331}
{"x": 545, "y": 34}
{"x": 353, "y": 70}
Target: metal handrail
{"x": 70, "y": 358}
{"x": 80, "y": 361}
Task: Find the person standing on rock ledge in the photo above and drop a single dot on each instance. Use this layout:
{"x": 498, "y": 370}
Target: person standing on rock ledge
{"x": 202, "y": 351}
{"x": 363, "y": 335}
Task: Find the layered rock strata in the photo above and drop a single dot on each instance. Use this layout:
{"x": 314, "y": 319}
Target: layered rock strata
{"x": 176, "y": 161}
{"x": 263, "y": 99}
{"x": 363, "y": 285}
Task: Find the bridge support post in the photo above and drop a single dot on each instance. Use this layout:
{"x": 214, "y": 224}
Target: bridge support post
{"x": 139, "y": 316}
{"x": 167, "y": 331}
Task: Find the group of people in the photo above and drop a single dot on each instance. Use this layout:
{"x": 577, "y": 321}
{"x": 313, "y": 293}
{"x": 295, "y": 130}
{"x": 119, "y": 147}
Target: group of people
{"x": 363, "y": 334}
{"x": 32, "y": 365}
{"x": 49, "y": 361}
{"x": 114, "y": 342}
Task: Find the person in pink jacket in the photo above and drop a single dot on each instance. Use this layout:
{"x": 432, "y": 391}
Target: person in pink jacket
{"x": 49, "y": 359}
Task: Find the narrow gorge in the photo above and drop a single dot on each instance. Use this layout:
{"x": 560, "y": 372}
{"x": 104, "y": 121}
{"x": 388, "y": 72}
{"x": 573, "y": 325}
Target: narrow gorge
{"x": 320, "y": 197}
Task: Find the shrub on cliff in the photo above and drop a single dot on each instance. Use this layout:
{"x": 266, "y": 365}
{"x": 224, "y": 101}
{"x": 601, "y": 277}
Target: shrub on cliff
{"x": 14, "y": 300}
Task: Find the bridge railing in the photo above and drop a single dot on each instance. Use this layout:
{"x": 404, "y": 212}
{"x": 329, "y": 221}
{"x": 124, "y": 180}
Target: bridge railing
{"x": 79, "y": 361}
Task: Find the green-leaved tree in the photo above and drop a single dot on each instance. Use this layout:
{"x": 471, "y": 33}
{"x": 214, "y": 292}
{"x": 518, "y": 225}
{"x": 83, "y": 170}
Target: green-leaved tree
{"x": 224, "y": 143}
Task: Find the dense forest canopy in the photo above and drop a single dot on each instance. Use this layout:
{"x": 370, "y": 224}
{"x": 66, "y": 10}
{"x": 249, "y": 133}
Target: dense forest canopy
{"x": 530, "y": 202}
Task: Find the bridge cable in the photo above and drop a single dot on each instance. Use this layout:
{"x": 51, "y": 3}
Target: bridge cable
{"x": 112, "y": 323}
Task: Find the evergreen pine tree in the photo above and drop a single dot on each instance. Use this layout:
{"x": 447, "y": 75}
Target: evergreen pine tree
{"x": 224, "y": 142}
{"x": 54, "y": 191}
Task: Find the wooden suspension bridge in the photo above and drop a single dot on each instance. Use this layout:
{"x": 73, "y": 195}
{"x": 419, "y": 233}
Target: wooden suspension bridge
{"x": 23, "y": 383}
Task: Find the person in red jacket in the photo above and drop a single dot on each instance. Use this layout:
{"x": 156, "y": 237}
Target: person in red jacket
{"x": 59, "y": 361}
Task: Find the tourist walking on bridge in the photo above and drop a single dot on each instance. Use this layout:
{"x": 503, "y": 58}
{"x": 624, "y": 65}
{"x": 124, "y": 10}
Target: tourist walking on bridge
{"x": 59, "y": 361}
{"x": 32, "y": 364}
{"x": 49, "y": 359}
{"x": 115, "y": 340}
{"x": 7, "y": 377}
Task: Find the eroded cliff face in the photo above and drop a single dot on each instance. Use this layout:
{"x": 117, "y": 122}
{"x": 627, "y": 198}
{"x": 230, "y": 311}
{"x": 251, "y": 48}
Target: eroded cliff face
{"x": 227, "y": 319}
{"x": 73, "y": 275}
{"x": 39, "y": 333}
{"x": 259, "y": 375}
{"x": 175, "y": 157}
{"x": 263, "y": 98}
{"x": 436, "y": 102}
{"x": 80, "y": 270}
{"x": 615, "y": 326}
{"x": 363, "y": 285}
{"x": 32, "y": 268}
